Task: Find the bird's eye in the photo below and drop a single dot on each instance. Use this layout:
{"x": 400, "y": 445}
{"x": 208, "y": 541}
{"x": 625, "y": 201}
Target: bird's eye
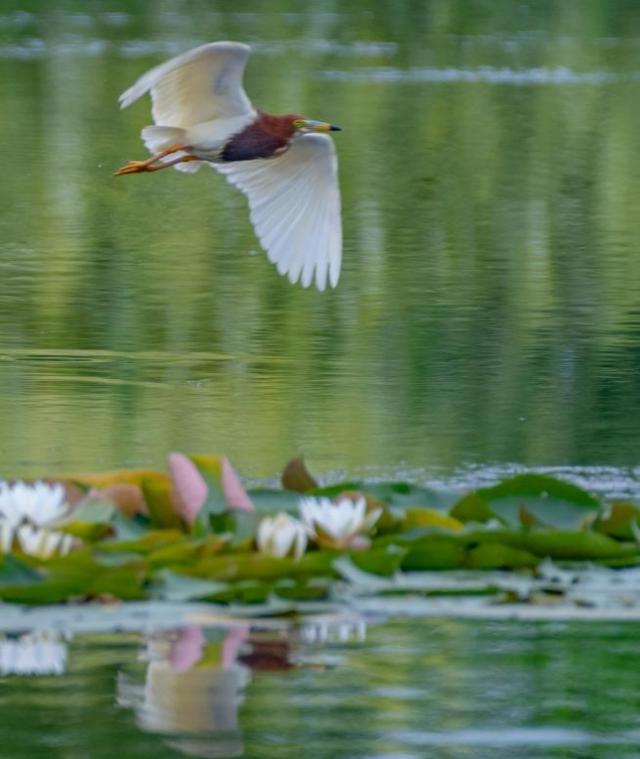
{"x": 298, "y": 123}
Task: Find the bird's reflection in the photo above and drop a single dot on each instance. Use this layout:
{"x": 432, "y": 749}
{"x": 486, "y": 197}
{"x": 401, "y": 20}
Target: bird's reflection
{"x": 195, "y": 679}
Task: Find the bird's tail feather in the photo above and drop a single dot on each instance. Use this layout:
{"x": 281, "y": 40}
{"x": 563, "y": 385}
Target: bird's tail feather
{"x": 157, "y": 138}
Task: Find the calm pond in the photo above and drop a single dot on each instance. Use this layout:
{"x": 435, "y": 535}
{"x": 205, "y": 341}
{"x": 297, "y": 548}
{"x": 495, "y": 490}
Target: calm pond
{"x": 487, "y": 318}
{"x": 445, "y": 689}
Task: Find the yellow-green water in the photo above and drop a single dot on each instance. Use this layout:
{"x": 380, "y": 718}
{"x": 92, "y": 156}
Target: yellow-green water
{"x": 489, "y": 306}
{"x": 488, "y": 314}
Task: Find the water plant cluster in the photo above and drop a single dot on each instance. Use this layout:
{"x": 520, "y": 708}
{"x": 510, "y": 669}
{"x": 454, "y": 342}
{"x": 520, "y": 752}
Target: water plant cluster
{"x": 195, "y": 532}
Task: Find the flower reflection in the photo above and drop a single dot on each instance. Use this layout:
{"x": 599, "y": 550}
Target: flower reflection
{"x": 192, "y": 689}
{"x": 195, "y": 679}
{"x": 41, "y": 652}
{"x": 338, "y": 631}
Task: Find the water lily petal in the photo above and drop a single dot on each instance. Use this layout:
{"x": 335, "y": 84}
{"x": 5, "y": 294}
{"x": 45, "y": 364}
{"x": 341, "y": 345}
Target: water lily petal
{"x": 281, "y": 536}
{"x": 43, "y": 543}
{"x": 40, "y": 503}
{"x": 235, "y": 495}
{"x": 189, "y": 487}
{"x": 7, "y": 533}
{"x": 336, "y": 524}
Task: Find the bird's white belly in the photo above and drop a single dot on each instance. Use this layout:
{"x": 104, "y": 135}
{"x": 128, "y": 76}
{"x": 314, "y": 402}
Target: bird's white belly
{"x": 208, "y": 139}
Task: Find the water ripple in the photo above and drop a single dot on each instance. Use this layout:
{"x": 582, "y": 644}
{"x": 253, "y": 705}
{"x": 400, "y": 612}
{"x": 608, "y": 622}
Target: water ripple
{"x": 31, "y": 48}
{"x": 514, "y": 736}
{"x": 483, "y": 74}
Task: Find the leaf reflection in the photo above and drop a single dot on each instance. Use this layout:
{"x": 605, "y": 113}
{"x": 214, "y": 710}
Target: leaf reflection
{"x": 194, "y": 680}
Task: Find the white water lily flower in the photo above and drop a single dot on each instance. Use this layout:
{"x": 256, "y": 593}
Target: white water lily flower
{"x": 43, "y": 543}
{"x": 282, "y": 535}
{"x": 35, "y": 653}
{"x": 337, "y": 524}
{"x": 40, "y": 503}
{"x": 29, "y": 513}
{"x": 7, "y": 534}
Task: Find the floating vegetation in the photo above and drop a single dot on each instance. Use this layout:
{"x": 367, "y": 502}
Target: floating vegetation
{"x": 194, "y": 533}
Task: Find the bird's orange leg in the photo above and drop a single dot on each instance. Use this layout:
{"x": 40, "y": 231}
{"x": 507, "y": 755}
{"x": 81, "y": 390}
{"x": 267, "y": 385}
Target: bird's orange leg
{"x": 133, "y": 167}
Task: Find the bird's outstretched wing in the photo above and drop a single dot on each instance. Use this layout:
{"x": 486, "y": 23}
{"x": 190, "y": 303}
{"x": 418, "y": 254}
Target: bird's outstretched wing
{"x": 200, "y": 85}
{"x": 295, "y": 208}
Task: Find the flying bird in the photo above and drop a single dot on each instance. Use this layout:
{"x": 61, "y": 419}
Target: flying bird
{"x": 285, "y": 165}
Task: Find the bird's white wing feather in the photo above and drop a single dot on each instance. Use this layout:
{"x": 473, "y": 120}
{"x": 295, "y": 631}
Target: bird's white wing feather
{"x": 200, "y": 85}
{"x": 295, "y": 208}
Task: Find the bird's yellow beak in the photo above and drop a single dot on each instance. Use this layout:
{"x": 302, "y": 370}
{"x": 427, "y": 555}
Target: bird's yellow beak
{"x": 319, "y": 126}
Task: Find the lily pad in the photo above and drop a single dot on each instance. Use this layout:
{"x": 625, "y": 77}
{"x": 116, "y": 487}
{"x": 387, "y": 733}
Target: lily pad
{"x": 620, "y": 520}
{"x": 270, "y": 501}
{"x": 499, "y": 556}
{"x": 435, "y": 551}
{"x": 16, "y": 572}
{"x": 396, "y": 493}
{"x": 423, "y": 517}
{"x": 171, "y": 586}
{"x": 546, "y": 500}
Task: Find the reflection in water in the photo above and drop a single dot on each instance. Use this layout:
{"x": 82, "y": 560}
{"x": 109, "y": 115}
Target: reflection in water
{"x": 195, "y": 679}
{"x": 41, "y": 652}
{"x": 442, "y": 688}
{"x": 193, "y": 687}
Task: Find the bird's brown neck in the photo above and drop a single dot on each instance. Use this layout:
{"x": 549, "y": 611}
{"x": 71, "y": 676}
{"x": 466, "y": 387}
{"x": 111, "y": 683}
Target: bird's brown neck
{"x": 265, "y": 137}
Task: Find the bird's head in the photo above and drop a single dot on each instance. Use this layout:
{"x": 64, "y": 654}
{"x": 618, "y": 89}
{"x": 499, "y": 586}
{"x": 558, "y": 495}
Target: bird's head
{"x": 301, "y": 124}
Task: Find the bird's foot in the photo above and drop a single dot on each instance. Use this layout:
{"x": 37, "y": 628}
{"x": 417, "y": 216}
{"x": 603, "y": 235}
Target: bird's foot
{"x": 133, "y": 167}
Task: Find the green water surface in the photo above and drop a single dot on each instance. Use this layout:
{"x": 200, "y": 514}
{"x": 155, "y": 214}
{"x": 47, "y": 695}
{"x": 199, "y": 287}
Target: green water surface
{"x": 441, "y": 689}
{"x": 488, "y": 314}
{"x": 489, "y": 305}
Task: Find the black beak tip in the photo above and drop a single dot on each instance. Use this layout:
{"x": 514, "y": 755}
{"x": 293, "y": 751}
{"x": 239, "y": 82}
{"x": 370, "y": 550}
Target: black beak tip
{"x": 335, "y": 128}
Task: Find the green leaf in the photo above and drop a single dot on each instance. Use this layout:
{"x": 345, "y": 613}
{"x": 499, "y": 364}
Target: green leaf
{"x": 240, "y": 525}
{"x": 379, "y": 561}
{"x": 90, "y": 520}
{"x": 187, "y": 552}
{"x": 296, "y": 477}
{"x": 125, "y": 528}
{"x": 425, "y": 517}
{"x": 435, "y": 551}
{"x": 312, "y": 590}
{"x": 93, "y": 511}
{"x": 473, "y": 507}
{"x": 171, "y": 586}
{"x": 499, "y": 556}
{"x": 89, "y": 532}
{"x": 577, "y": 545}
{"x": 124, "y": 582}
{"x": 210, "y": 468}
{"x": 395, "y": 494}
{"x": 79, "y": 575}
{"x": 16, "y": 572}
{"x": 157, "y": 494}
{"x": 52, "y": 591}
{"x": 269, "y": 501}
{"x": 545, "y": 499}
{"x": 246, "y": 592}
{"x": 148, "y": 542}
{"x": 259, "y": 567}
{"x": 620, "y": 520}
